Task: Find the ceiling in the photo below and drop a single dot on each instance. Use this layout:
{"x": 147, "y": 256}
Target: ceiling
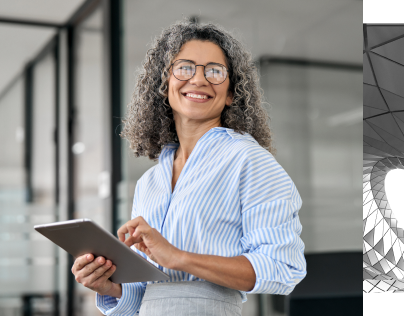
{"x": 56, "y": 11}
{"x": 322, "y": 30}
{"x": 20, "y": 43}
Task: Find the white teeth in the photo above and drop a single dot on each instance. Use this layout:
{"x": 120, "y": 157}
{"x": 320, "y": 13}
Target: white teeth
{"x": 196, "y": 96}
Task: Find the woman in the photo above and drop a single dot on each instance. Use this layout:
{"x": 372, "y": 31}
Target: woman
{"x": 218, "y": 208}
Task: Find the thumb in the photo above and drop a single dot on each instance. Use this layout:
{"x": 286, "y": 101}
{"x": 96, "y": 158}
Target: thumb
{"x": 131, "y": 230}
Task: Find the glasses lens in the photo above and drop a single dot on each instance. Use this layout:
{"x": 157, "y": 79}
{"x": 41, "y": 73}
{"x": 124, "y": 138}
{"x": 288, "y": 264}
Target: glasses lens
{"x": 215, "y": 73}
{"x": 183, "y": 69}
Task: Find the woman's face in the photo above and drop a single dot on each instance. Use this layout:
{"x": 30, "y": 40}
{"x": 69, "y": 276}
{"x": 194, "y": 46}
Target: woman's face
{"x": 187, "y": 109}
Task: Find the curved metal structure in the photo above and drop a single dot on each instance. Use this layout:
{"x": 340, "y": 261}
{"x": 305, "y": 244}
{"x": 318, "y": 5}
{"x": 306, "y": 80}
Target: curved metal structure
{"x": 383, "y": 150}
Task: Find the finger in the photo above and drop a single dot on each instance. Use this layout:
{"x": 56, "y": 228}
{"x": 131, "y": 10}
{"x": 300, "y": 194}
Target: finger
{"x": 130, "y": 241}
{"x": 109, "y": 272}
{"x": 141, "y": 231}
{"x": 145, "y": 249}
{"x": 99, "y": 272}
{"x": 141, "y": 246}
{"x": 105, "y": 276}
{"x": 128, "y": 227}
{"x": 82, "y": 261}
{"x": 134, "y": 224}
{"x": 91, "y": 267}
{"x": 122, "y": 231}
{"x": 131, "y": 229}
{"x": 137, "y": 246}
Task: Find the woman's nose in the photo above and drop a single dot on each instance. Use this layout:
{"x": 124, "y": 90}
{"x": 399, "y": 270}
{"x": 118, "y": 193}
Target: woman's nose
{"x": 199, "y": 77}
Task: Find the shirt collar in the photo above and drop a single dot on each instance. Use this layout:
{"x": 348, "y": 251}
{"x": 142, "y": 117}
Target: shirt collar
{"x": 235, "y": 135}
{"x": 219, "y": 130}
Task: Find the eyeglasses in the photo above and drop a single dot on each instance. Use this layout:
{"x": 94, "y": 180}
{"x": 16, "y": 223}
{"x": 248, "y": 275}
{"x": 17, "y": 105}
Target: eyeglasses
{"x": 184, "y": 70}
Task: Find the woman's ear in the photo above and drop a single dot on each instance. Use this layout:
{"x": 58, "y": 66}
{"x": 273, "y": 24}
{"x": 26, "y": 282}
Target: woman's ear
{"x": 229, "y": 98}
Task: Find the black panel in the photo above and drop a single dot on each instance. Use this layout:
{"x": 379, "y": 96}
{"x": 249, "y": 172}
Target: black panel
{"x": 347, "y": 306}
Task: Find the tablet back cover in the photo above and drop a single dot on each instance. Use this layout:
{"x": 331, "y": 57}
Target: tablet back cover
{"x": 82, "y": 236}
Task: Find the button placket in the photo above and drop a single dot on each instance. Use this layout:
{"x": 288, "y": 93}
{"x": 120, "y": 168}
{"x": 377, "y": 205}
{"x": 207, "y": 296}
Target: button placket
{"x": 170, "y": 160}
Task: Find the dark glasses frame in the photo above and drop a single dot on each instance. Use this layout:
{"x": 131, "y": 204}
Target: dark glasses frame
{"x": 204, "y": 74}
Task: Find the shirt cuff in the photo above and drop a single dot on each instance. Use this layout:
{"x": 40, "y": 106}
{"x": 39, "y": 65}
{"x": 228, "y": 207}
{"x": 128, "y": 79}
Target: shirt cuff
{"x": 268, "y": 279}
{"x": 128, "y": 304}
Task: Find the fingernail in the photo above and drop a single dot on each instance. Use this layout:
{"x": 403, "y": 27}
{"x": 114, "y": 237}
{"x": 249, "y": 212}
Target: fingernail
{"x": 88, "y": 257}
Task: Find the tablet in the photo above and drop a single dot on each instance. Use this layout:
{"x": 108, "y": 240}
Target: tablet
{"x": 81, "y": 236}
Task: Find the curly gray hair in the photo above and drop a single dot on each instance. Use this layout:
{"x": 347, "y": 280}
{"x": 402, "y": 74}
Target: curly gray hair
{"x": 149, "y": 122}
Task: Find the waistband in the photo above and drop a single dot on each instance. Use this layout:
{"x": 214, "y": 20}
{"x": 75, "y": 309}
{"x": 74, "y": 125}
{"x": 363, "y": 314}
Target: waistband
{"x": 192, "y": 289}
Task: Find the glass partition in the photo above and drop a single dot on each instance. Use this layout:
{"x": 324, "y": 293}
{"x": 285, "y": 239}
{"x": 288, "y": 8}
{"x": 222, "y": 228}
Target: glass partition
{"x": 89, "y": 140}
{"x": 43, "y": 208}
{"x": 91, "y": 181}
{"x": 89, "y": 119}
{"x": 28, "y": 262}
{"x": 14, "y": 241}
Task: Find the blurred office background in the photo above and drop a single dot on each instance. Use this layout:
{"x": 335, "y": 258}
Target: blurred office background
{"x": 67, "y": 70}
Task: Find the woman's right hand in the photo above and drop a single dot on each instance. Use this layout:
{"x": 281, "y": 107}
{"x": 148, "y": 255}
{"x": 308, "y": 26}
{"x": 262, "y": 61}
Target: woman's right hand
{"x": 94, "y": 274}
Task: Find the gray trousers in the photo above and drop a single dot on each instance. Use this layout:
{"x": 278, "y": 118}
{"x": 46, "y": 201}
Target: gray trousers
{"x": 199, "y": 298}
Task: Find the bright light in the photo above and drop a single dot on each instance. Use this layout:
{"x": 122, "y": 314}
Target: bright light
{"x": 394, "y": 186}
{"x": 78, "y": 148}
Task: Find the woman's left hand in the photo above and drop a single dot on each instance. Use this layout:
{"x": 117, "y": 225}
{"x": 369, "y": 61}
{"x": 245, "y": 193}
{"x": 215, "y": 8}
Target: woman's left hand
{"x": 149, "y": 241}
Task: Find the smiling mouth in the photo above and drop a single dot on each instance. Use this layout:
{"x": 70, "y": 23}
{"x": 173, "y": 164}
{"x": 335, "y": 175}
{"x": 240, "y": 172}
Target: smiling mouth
{"x": 196, "y": 96}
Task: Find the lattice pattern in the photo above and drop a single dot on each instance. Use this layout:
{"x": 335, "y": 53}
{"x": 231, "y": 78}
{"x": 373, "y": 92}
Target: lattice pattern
{"x": 377, "y": 286}
{"x": 383, "y": 150}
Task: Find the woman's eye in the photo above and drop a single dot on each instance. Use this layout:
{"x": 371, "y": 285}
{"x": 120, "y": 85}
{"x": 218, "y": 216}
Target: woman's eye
{"x": 215, "y": 71}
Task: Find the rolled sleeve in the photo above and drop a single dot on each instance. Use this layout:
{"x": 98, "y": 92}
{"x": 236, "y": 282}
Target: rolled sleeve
{"x": 128, "y": 304}
{"x": 271, "y": 228}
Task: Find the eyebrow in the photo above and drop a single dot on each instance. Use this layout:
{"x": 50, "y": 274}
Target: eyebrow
{"x": 213, "y": 62}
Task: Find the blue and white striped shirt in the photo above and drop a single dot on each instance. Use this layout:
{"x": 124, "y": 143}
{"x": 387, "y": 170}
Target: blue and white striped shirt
{"x": 232, "y": 198}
